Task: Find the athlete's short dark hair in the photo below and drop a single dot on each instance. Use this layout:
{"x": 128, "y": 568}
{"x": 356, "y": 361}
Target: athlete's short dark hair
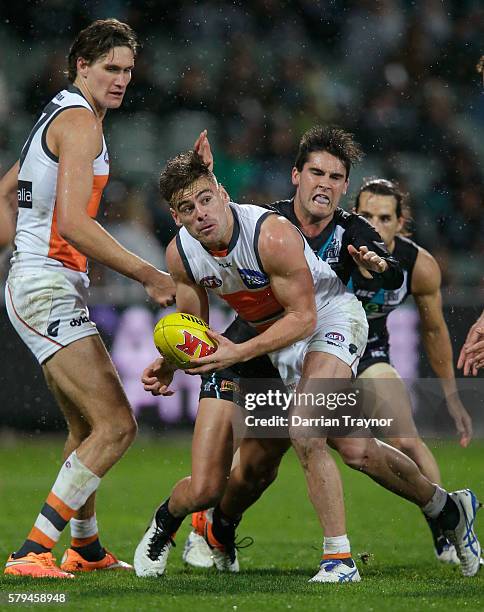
{"x": 182, "y": 171}
{"x": 332, "y": 139}
{"x": 97, "y": 40}
{"x": 384, "y": 187}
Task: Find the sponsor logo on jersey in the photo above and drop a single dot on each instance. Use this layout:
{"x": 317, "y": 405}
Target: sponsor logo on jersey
{"x": 229, "y": 385}
{"x": 53, "y": 328}
{"x": 335, "y": 336}
{"x": 253, "y": 278}
{"x": 332, "y": 251}
{"x": 24, "y": 194}
{"x": 78, "y": 321}
{"x": 59, "y": 96}
{"x": 191, "y": 344}
{"x": 106, "y": 157}
{"x": 226, "y": 264}
{"x": 211, "y": 282}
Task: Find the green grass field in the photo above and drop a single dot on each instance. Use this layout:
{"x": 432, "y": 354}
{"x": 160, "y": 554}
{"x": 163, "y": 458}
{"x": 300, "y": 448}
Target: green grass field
{"x": 401, "y": 575}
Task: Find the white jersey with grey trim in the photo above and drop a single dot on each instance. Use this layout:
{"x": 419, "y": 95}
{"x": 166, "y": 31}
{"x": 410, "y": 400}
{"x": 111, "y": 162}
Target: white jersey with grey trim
{"x": 37, "y": 241}
{"x": 238, "y": 275}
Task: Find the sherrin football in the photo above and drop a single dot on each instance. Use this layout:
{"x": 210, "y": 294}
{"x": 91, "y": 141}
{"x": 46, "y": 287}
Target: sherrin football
{"x": 181, "y": 337}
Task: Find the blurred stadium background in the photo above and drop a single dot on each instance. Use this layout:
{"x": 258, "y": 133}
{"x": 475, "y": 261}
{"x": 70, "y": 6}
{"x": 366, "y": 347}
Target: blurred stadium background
{"x": 399, "y": 74}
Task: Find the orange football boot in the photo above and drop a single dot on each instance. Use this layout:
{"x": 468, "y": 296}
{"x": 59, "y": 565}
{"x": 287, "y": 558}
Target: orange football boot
{"x": 73, "y": 562}
{"x": 199, "y": 520}
{"x": 36, "y": 566}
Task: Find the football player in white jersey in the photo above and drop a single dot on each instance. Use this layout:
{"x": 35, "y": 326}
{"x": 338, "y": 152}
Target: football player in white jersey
{"x": 58, "y": 182}
{"x": 217, "y": 243}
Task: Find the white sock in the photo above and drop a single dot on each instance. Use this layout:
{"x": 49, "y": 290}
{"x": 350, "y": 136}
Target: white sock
{"x": 75, "y": 482}
{"x": 337, "y": 545}
{"x": 84, "y": 528}
{"x": 434, "y": 507}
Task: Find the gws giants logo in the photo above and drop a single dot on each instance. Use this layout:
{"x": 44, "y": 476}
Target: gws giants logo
{"x": 192, "y": 344}
{"x": 211, "y": 282}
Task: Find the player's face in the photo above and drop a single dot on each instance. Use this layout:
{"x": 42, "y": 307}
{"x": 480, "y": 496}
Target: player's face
{"x": 203, "y": 210}
{"x": 320, "y": 184}
{"x": 380, "y": 211}
{"x": 107, "y": 78}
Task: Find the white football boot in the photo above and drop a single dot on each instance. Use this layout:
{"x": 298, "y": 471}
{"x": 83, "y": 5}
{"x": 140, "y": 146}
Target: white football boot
{"x": 447, "y": 555}
{"x": 337, "y": 570}
{"x": 463, "y": 537}
{"x": 151, "y": 554}
{"x": 197, "y": 552}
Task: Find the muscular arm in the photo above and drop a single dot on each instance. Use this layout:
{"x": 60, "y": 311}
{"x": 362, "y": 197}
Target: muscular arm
{"x": 281, "y": 250}
{"x": 190, "y": 298}
{"x": 435, "y": 336}
{"x": 8, "y": 205}
{"x": 77, "y": 139}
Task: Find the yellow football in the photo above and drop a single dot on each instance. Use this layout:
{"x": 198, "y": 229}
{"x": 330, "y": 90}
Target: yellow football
{"x": 181, "y": 337}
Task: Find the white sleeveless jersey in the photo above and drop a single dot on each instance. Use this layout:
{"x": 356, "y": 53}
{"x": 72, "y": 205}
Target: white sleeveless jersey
{"x": 37, "y": 241}
{"x": 237, "y": 274}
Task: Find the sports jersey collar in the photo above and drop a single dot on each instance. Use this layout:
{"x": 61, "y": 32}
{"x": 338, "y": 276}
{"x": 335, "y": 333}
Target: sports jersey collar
{"x": 233, "y": 239}
{"x": 76, "y": 90}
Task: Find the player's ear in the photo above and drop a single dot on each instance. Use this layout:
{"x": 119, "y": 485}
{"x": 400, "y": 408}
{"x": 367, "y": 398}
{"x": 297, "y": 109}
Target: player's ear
{"x": 223, "y": 193}
{"x": 175, "y": 216}
{"x": 82, "y": 66}
{"x": 295, "y": 177}
{"x": 401, "y": 224}
{"x": 347, "y": 184}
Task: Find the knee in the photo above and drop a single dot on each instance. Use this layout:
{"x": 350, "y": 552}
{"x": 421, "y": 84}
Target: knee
{"x": 354, "y": 454}
{"x": 121, "y": 433}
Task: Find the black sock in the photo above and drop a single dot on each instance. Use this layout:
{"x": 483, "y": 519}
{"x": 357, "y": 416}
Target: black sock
{"x": 449, "y": 517}
{"x": 437, "y": 536}
{"x": 223, "y": 526}
{"x": 91, "y": 552}
{"x": 30, "y": 546}
{"x": 166, "y": 520}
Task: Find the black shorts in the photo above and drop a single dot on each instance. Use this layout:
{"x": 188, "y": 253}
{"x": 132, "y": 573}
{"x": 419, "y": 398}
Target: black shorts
{"x": 377, "y": 351}
{"x": 230, "y": 384}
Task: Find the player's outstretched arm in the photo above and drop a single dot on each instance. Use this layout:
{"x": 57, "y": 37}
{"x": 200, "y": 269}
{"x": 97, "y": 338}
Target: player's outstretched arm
{"x": 435, "y": 336}
{"x": 471, "y": 357}
{"x": 368, "y": 250}
{"x": 8, "y": 205}
{"x": 77, "y": 139}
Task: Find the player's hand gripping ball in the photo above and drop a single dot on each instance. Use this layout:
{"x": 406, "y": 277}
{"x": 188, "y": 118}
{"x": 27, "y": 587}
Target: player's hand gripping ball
{"x": 180, "y": 337}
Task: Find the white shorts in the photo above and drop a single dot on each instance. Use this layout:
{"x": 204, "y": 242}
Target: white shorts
{"x": 341, "y": 330}
{"x": 47, "y": 308}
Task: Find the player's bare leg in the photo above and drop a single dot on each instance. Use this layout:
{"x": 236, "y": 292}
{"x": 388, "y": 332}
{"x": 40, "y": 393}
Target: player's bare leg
{"x": 85, "y": 375}
{"x": 393, "y": 398}
{"x": 323, "y": 478}
{"x": 212, "y": 452}
{"x": 85, "y": 552}
{"x": 252, "y": 474}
